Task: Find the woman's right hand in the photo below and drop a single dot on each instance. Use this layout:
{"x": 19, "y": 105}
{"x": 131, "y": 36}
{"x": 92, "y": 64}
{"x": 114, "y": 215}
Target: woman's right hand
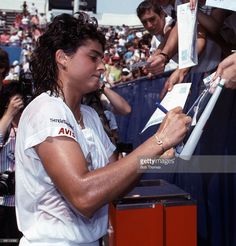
{"x": 173, "y": 128}
{"x": 15, "y": 105}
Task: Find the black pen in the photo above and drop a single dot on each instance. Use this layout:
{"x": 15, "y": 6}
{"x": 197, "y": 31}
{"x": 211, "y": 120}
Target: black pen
{"x": 163, "y": 109}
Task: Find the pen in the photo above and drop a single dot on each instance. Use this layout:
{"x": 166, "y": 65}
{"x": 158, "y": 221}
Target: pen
{"x": 164, "y": 110}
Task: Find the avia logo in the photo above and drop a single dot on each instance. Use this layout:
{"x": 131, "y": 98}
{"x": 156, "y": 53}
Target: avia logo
{"x": 65, "y": 131}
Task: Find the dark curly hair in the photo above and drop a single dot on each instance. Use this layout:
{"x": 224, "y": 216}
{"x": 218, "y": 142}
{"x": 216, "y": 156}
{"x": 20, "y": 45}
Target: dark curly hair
{"x": 68, "y": 33}
{"x": 145, "y": 6}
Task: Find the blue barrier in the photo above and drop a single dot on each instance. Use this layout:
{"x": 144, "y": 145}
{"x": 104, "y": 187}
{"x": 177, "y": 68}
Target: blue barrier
{"x": 141, "y": 95}
{"x": 214, "y": 192}
{"x": 14, "y": 52}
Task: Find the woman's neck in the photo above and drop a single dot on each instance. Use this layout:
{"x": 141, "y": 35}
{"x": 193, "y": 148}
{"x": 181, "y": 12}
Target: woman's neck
{"x": 72, "y": 100}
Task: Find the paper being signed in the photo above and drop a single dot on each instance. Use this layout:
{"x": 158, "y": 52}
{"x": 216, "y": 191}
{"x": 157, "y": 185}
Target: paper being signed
{"x": 176, "y": 97}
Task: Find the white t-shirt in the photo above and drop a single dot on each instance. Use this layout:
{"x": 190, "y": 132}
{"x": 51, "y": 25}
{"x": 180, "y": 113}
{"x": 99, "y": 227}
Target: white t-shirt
{"x": 43, "y": 215}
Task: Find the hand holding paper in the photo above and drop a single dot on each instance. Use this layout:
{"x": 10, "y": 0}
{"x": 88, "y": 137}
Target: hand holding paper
{"x": 175, "y": 78}
{"x": 174, "y": 98}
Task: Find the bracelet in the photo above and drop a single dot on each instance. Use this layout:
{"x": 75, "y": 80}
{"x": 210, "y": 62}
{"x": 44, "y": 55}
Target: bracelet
{"x": 166, "y": 57}
{"x": 159, "y": 142}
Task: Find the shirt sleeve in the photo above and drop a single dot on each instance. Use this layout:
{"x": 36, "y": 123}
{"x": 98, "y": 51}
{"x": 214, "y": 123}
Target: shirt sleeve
{"x": 49, "y": 119}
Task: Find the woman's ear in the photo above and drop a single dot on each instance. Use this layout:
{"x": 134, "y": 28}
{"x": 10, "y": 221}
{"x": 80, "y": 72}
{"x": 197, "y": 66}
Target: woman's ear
{"x": 61, "y": 59}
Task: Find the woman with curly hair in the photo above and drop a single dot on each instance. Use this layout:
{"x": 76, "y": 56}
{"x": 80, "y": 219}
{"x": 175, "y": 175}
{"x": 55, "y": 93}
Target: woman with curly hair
{"x": 63, "y": 182}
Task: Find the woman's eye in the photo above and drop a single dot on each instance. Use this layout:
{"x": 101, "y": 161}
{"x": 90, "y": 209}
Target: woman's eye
{"x": 94, "y": 58}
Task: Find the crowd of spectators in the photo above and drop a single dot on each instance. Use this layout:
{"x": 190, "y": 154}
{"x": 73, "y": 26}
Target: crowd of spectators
{"x": 24, "y": 32}
{"x": 125, "y": 45}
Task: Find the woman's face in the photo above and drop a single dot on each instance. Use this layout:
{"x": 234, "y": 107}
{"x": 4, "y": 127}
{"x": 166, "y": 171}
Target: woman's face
{"x": 84, "y": 68}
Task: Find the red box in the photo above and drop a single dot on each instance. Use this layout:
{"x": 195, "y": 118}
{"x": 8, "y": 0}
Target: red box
{"x": 166, "y": 219}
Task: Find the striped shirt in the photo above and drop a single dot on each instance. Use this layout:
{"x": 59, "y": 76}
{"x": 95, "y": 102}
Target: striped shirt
{"x": 7, "y": 163}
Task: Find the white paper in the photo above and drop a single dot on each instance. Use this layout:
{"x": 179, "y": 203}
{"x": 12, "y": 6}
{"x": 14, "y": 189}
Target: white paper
{"x": 174, "y": 98}
{"x": 187, "y": 36}
{"x": 208, "y": 80}
{"x": 223, "y": 4}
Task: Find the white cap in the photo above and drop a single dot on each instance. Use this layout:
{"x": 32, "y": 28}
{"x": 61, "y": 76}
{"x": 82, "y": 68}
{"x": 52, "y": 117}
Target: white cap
{"x": 125, "y": 70}
{"x": 15, "y": 63}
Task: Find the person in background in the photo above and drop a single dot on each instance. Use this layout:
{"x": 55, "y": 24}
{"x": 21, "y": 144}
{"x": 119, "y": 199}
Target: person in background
{"x": 4, "y": 65}
{"x": 209, "y": 54}
{"x": 157, "y": 23}
{"x": 220, "y": 25}
{"x": 5, "y": 37}
{"x": 170, "y": 47}
{"x": 126, "y": 75}
{"x": 116, "y": 102}
{"x": 94, "y": 100}
{"x": 3, "y": 19}
{"x": 113, "y": 71}
{"x": 112, "y": 124}
{"x": 63, "y": 180}
{"x": 25, "y": 8}
{"x": 14, "y": 71}
{"x": 106, "y": 102}
{"x": 11, "y": 104}
{"x": 33, "y": 9}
